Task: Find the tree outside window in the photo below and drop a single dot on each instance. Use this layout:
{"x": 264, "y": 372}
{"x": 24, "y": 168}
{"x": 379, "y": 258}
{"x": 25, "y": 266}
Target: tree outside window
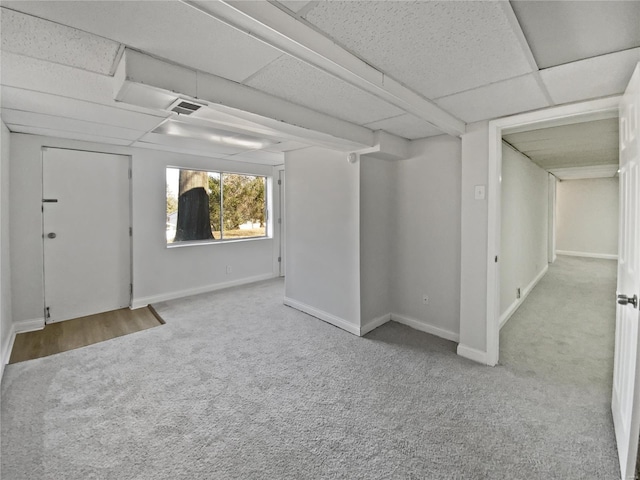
{"x": 205, "y": 205}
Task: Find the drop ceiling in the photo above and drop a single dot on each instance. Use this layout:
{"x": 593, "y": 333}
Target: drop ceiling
{"x": 469, "y": 61}
{"x": 569, "y": 151}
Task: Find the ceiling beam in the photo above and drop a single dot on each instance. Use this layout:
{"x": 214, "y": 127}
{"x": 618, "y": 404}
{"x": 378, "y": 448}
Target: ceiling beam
{"x": 153, "y": 83}
{"x": 270, "y": 24}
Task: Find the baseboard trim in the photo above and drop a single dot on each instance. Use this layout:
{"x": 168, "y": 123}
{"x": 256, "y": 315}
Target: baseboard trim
{"x": 144, "y": 301}
{"x": 516, "y": 304}
{"x": 31, "y": 325}
{"x": 7, "y": 348}
{"x": 605, "y": 256}
{"x": 322, "y": 315}
{"x": 425, "y": 327}
{"x": 472, "y": 354}
{"x": 374, "y": 323}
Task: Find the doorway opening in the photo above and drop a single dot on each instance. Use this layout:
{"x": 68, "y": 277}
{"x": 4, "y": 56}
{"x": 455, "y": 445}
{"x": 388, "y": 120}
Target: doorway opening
{"x": 554, "y": 117}
{"x": 559, "y": 195}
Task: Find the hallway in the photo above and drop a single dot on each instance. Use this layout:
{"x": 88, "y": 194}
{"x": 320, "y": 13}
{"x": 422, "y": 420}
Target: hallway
{"x": 564, "y": 331}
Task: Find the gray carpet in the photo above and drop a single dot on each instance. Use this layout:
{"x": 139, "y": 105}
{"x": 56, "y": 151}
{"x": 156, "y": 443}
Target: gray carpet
{"x": 238, "y": 386}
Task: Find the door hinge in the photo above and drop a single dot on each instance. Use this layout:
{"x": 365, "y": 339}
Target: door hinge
{"x": 131, "y": 231}
{"x": 129, "y": 173}
{"x": 496, "y": 260}
{"x": 47, "y": 313}
{"x": 279, "y": 182}
{"x": 279, "y": 259}
{"x": 131, "y": 291}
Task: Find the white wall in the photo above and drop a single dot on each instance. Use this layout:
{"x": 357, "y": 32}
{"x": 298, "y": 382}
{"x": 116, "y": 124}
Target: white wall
{"x": 551, "y": 245}
{"x": 159, "y": 273}
{"x": 524, "y": 226}
{"x": 323, "y": 235}
{"x": 5, "y": 267}
{"x": 587, "y": 216}
{"x": 426, "y": 236}
{"x": 473, "y": 268}
{"x": 378, "y": 232}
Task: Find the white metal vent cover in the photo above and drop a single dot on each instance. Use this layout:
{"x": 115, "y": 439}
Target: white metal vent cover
{"x": 184, "y": 107}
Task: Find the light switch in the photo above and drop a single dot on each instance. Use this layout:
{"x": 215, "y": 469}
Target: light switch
{"x": 479, "y": 192}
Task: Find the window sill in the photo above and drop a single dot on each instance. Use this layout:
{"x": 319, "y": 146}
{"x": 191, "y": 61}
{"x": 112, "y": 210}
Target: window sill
{"x": 216, "y": 242}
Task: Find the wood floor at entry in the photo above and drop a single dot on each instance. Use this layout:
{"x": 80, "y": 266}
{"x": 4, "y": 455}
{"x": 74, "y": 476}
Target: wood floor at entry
{"x": 80, "y": 332}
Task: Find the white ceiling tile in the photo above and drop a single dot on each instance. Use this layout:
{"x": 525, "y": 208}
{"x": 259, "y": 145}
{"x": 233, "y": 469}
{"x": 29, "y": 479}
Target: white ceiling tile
{"x": 496, "y": 100}
{"x": 287, "y": 146}
{"x": 300, "y": 83}
{"x": 591, "y": 78}
{"x": 34, "y": 37}
{"x": 259, "y": 156}
{"x": 406, "y": 126}
{"x": 17, "y": 117}
{"x": 563, "y": 32}
{"x": 190, "y": 144}
{"x": 170, "y": 30}
{"x": 40, "y": 76}
{"x": 294, "y": 5}
{"x": 577, "y": 144}
{"x": 47, "y": 132}
{"x": 436, "y": 48}
{"x": 579, "y": 173}
{"x": 18, "y": 99}
{"x": 33, "y": 74}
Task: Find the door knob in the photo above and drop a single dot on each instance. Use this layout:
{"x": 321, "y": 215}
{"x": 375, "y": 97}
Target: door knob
{"x": 624, "y": 300}
{"x": 51, "y": 235}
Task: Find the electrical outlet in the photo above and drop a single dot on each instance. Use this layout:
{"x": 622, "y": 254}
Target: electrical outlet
{"x": 517, "y": 293}
{"x": 425, "y": 299}
{"x": 228, "y": 269}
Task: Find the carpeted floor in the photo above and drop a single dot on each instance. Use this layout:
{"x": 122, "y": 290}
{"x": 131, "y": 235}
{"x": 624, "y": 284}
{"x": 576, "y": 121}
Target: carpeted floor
{"x": 238, "y": 386}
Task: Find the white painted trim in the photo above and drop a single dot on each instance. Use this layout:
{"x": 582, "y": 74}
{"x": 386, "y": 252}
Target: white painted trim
{"x": 7, "y": 348}
{"x": 561, "y": 115}
{"x": 324, "y": 316}
{"x": 551, "y": 218}
{"x": 144, "y": 301}
{"x": 606, "y": 256}
{"x": 511, "y": 309}
{"x": 425, "y": 327}
{"x": 30, "y": 325}
{"x": 277, "y": 28}
{"x": 374, "y": 323}
{"x": 473, "y": 354}
{"x": 527, "y": 290}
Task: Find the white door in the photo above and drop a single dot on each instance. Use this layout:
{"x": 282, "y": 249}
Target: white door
{"x": 85, "y": 233}
{"x": 625, "y": 403}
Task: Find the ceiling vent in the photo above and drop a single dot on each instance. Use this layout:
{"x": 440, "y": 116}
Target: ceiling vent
{"x": 184, "y": 107}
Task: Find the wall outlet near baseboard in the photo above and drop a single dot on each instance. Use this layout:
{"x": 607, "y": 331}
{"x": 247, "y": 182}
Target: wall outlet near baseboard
{"x": 228, "y": 269}
{"x": 518, "y": 292}
{"x": 425, "y": 299}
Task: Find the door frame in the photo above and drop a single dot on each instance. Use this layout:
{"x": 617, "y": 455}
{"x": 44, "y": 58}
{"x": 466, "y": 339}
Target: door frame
{"x": 45, "y": 147}
{"x": 281, "y": 224}
{"x": 549, "y": 117}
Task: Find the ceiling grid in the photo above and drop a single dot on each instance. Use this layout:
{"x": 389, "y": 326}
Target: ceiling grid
{"x": 411, "y": 68}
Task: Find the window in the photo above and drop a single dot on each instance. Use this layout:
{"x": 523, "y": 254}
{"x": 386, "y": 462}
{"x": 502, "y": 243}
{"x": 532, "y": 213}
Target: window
{"x": 205, "y": 205}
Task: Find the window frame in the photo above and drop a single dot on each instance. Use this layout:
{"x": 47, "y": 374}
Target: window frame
{"x": 267, "y": 199}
